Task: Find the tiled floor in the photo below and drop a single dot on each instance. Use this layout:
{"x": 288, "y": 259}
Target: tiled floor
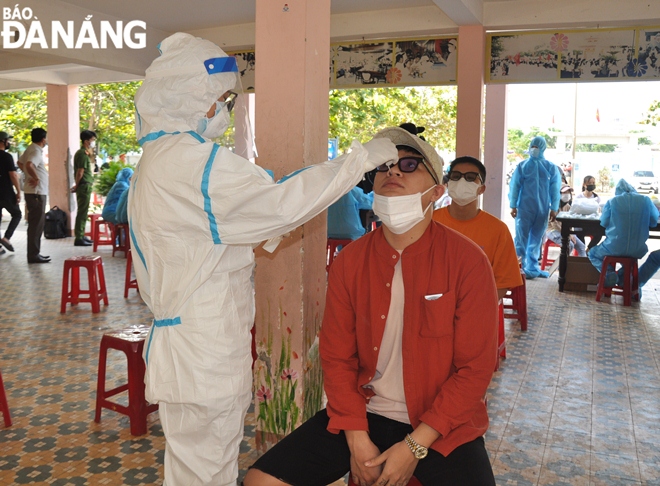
{"x": 576, "y": 402}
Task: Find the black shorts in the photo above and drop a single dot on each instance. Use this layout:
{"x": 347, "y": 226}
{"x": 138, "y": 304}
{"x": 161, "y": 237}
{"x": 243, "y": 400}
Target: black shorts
{"x": 312, "y": 456}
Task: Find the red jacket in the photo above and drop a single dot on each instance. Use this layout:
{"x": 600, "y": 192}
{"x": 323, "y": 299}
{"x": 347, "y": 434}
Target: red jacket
{"x": 449, "y": 343}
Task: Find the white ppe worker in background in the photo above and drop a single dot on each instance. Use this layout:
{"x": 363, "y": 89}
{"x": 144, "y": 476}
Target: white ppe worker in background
{"x": 196, "y": 211}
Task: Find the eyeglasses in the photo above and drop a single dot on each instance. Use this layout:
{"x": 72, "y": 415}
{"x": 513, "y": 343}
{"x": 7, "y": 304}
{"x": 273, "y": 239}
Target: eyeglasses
{"x": 455, "y": 175}
{"x": 407, "y": 164}
{"x": 230, "y": 101}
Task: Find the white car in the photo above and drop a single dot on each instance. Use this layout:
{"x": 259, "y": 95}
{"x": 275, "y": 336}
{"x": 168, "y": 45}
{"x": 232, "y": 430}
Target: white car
{"x": 644, "y": 181}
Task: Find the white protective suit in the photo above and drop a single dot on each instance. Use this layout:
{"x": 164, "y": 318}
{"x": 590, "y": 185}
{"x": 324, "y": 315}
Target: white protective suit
{"x": 196, "y": 211}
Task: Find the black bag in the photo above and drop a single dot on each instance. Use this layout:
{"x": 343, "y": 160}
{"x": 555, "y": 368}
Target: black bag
{"x": 55, "y": 225}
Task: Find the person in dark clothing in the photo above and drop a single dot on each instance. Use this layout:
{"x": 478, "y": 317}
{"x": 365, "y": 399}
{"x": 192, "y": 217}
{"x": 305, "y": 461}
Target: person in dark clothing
{"x": 10, "y": 198}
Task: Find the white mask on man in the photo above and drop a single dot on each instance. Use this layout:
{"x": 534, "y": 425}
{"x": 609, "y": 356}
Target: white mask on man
{"x": 217, "y": 125}
{"x": 463, "y": 192}
{"x": 400, "y": 213}
{"x": 535, "y": 152}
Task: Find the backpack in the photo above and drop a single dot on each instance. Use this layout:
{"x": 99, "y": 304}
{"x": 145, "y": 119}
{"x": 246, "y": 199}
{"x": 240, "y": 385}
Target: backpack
{"x": 55, "y": 225}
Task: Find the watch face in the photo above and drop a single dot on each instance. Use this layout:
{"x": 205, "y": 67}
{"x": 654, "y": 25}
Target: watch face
{"x": 421, "y": 453}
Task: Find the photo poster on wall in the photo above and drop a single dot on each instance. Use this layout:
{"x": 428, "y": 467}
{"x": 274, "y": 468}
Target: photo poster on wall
{"x": 552, "y": 56}
{"x": 425, "y": 62}
{"x": 245, "y": 64}
{"x": 409, "y": 62}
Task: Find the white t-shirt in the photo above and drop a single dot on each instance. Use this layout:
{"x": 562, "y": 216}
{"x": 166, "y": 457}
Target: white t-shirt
{"x": 390, "y": 399}
{"x": 35, "y": 154}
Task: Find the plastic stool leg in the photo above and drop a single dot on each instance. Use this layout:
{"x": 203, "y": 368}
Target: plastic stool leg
{"x": 101, "y": 279}
{"x": 136, "y": 401}
{"x": 93, "y": 290}
{"x": 100, "y": 385}
{"x": 65, "y": 289}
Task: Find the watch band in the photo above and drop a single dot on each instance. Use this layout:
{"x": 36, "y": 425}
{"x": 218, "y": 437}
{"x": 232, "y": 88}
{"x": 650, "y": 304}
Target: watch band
{"x": 419, "y": 451}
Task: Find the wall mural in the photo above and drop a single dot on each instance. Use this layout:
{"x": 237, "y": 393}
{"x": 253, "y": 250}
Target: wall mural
{"x": 416, "y": 62}
{"x": 276, "y": 382}
{"x": 617, "y": 54}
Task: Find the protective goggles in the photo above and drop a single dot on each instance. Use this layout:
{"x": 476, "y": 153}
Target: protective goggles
{"x": 455, "y": 175}
{"x": 406, "y": 164}
{"x": 230, "y": 101}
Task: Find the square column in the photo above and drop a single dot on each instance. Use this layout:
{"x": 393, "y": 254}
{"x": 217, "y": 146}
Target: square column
{"x": 63, "y": 141}
{"x": 292, "y": 85}
{"x": 470, "y": 77}
{"x": 495, "y": 199}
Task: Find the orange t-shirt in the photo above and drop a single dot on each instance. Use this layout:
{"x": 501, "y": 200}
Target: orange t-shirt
{"x": 494, "y": 238}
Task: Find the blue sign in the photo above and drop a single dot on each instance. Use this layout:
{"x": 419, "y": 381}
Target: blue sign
{"x": 333, "y": 148}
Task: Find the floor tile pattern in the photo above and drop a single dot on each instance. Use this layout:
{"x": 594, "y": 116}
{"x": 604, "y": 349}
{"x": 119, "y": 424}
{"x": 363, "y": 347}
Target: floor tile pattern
{"x": 576, "y": 402}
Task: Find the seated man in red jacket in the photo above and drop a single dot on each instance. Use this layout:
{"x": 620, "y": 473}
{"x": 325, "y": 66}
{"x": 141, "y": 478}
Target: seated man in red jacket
{"x": 408, "y": 348}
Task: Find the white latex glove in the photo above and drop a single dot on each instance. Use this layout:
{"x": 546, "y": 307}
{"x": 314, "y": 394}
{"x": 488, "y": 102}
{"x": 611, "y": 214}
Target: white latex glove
{"x": 381, "y": 151}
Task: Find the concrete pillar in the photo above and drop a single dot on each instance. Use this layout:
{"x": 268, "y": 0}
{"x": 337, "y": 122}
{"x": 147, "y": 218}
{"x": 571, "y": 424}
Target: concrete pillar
{"x": 293, "y": 49}
{"x": 63, "y": 141}
{"x": 495, "y": 199}
{"x": 244, "y": 128}
{"x": 470, "y": 76}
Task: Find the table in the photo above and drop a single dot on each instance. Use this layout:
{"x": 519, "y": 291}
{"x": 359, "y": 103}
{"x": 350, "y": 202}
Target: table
{"x": 583, "y": 227}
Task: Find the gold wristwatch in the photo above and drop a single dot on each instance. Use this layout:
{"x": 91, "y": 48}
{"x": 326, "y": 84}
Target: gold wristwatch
{"x": 419, "y": 451}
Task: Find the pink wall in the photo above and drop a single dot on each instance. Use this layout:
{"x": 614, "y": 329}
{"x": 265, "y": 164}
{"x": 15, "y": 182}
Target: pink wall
{"x": 63, "y": 141}
{"x": 495, "y": 199}
{"x": 293, "y": 48}
{"x": 470, "y": 77}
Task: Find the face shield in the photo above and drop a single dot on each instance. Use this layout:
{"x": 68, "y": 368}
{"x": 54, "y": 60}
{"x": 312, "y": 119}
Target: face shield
{"x": 183, "y": 84}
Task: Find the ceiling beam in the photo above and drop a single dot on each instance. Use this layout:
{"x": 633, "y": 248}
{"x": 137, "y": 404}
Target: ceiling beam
{"x": 463, "y": 12}
{"x": 566, "y": 14}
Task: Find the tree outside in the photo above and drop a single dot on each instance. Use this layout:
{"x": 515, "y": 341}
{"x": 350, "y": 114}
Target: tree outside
{"x": 604, "y": 179}
{"x": 107, "y": 109}
{"x": 359, "y": 113}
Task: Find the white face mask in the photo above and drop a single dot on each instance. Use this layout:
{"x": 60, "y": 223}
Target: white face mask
{"x": 565, "y": 197}
{"x": 216, "y": 126}
{"x": 92, "y": 144}
{"x": 463, "y": 192}
{"x": 400, "y": 213}
{"x": 535, "y": 152}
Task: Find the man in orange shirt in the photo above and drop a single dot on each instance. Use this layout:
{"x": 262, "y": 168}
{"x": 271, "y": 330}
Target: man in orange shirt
{"x": 466, "y": 184}
{"x": 408, "y": 348}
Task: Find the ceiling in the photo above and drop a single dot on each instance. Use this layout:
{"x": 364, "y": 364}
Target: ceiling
{"x": 230, "y": 23}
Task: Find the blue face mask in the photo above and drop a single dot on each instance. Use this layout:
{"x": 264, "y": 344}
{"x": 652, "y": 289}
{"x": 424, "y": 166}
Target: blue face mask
{"x": 535, "y": 152}
{"x": 217, "y": 125}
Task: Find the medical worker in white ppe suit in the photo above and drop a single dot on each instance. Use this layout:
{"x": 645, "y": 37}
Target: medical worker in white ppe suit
{"x": 196, "y": 211}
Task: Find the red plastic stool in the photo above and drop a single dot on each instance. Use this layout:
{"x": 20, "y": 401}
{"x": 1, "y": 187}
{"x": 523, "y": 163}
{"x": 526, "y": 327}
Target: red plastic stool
{"x": 96, "y": 291}
{"x": 120, "y": 240}
{"x": 92, "y": 225}
{"x": 630, "y": 289}
{"x": 131, "y": 342}
{"x": 4, "y": 406}
{"x": 412, "y": 482}
{"x": 332, "y": 250}
{"x": 545, "y": 261}
{"x": 517, "y": 309}
{"x": 103, "y": 233}
{"x": 129, "y": 283}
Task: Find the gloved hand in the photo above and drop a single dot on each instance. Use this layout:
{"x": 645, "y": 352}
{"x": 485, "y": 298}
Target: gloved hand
{"x": 381, "y": 151}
